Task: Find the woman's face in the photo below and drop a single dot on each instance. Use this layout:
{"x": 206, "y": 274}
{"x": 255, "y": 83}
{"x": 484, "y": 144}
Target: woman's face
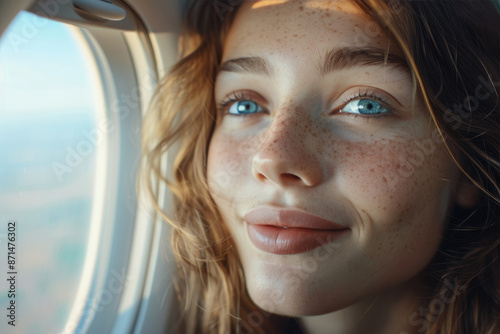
{"x": 326, "y": 171}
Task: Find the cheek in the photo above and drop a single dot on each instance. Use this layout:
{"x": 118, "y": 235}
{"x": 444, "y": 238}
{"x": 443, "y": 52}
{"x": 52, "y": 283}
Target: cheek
{"x": 228, "y": 164}
{"x": 387, "y": 175}
{"x": 397, "y": 188}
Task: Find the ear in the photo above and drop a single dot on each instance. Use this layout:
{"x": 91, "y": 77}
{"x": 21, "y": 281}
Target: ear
{"x": 468, "y": 193}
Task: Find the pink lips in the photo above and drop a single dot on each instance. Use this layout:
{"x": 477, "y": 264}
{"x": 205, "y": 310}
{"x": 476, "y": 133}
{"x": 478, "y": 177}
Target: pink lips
{"x": 289, "y": 231}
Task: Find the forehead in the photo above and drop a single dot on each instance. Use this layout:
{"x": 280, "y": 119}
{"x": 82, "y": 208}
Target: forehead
{"x": 294, "y": 27}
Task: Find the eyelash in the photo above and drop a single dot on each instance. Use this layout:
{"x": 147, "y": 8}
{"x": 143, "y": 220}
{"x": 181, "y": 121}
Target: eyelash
{"x": 366, "y": 94}
{"x": 232, "y": 98}
{"x": 242, "y": 96}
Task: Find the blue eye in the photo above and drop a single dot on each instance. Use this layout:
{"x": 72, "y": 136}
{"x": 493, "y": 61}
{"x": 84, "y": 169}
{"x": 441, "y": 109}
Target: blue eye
{"x": 244, "y": 107}
{"x": 365, "y": 107}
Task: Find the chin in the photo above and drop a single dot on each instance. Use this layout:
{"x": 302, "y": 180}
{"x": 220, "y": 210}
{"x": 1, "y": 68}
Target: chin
{"x": 296, "y": 300}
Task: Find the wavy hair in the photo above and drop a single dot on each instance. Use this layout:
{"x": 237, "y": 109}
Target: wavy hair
{"x": 453, "y": 52}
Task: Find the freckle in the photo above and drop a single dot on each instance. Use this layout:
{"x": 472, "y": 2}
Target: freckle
{"x": 384, "y": 179}
{"x": 301, "y": 8}
{"x": 295, "y": 35}
{"x": 372, "y": 170}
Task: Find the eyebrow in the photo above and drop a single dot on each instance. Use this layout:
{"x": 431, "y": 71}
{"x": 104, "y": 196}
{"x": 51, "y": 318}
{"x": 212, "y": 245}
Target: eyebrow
{"x": 346, "y": 58}
{"x": 253, "y": 65}
{"x": 335, "y": 60}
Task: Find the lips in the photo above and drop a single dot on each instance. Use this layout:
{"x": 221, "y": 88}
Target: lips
{"x": 290, "y": 231}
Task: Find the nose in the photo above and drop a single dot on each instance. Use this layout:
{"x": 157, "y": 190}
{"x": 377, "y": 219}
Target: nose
{"x": 286, "y": 156}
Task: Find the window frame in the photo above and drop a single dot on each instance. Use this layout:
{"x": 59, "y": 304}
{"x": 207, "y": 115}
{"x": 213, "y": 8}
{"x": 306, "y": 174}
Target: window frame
{"x": 145, "y": 45}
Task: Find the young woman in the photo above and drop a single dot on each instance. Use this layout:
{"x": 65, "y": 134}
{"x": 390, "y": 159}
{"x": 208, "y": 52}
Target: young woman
{"x": 337, "y": 166}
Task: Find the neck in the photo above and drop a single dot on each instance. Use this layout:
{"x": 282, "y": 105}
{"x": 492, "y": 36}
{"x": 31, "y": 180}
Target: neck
{"x": 386, "y": 313}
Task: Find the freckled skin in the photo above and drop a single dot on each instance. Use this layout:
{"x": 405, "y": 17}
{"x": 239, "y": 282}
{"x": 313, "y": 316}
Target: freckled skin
{"x": 384, "y": 177}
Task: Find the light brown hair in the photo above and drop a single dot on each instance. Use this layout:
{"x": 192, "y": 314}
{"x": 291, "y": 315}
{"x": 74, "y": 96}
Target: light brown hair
{"x": 453, "y": 52}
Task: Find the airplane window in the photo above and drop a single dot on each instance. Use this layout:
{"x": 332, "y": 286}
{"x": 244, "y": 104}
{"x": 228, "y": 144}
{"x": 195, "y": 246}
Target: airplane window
{"x": 51, "y": 102}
